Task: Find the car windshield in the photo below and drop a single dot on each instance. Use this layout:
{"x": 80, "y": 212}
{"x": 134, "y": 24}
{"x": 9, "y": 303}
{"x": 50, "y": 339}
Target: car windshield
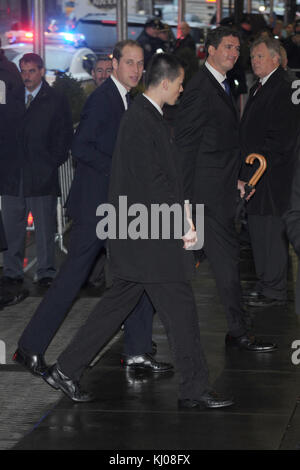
{"x": 102, "y": 35}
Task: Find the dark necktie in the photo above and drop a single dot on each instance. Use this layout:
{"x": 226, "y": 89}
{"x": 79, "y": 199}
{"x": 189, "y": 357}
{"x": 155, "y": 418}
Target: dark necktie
{"x": 29, "y": 99}
{"x": 258, "y": 87}
{"x": 128, "y": 99}
{"x": 227, "y": 87}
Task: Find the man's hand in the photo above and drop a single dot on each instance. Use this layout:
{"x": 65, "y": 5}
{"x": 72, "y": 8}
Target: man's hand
{"x": 190, "y": 238}
{"x": 241, "y": 187}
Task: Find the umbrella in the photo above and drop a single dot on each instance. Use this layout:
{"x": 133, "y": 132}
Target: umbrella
{"x": 240, "y": 212}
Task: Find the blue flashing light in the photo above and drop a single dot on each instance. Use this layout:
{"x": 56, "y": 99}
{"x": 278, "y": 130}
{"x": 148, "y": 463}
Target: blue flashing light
{"x": 69, "y": 37}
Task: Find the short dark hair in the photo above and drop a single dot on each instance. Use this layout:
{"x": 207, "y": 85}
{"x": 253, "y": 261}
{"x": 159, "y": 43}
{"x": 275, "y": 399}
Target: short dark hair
{"x": 118, "y": 48}
{"x": 215, "y": 36}
{"x": 272, "y": 44}
{"x": 31, "y": 57}
{"x": 101, "y": 58}
{"x": 162, "y": 66}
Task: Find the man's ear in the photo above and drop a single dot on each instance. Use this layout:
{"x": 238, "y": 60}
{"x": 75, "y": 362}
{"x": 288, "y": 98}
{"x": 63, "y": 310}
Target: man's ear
{"x": 165, "y": 83}
{"x": 211, "y": 50}
{"x": 115, "y": 64}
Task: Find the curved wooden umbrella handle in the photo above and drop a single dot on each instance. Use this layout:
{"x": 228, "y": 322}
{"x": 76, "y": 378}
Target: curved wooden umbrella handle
{"x": 260, "y": 171}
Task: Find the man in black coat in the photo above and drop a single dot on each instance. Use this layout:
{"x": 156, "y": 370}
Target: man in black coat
{"x": 149, "y": 39}
{"x": 44, "y": 133}
{"x": 185, "y": 40}
{"x": 270, "y": 126}
{"x": 145, "y": 171}
{"x": 9, "y": 72}
{"x": 207, "y": 133}
{"x": 10, "y": 112}
{"x": 10, "y": 81}
{"x": 92, "y": 150}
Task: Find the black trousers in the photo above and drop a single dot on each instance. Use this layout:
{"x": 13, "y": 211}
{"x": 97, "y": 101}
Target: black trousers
{"x": 270, "y": 251}
{"x": 221, "y": 247}
{"x": 175, "y": 305}
{"x": 83, "y": 250}
{"x": 15, "y": 210}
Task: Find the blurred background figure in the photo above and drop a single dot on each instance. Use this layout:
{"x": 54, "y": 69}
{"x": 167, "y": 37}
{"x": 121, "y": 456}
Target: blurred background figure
{"x": 149, "y": 39}
{"x": 102, "y": 69}
{"x": 278, "y": 29}
{"x": 9, "y": 72}
{"x": 185, "y": 50}
{"x": 167, "y": 36}
{"x": 185, "y": 40}
{"x": 284, "y": 64}
{"x": 292, "y": 46}
{"x": 288, "y": 31}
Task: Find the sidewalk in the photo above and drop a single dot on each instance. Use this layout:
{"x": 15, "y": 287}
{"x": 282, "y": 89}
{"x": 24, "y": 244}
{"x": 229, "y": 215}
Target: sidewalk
{"x": 139, "y": 412}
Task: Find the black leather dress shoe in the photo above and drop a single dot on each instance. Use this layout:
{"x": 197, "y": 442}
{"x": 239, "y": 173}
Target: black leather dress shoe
{"x": 12, "y": 298}
{"x": 255, "y": 299}
{"x": 35, "y": 363}
{"x": 250, "y": 294}
{"x": 56, "y": 379}
{"x": 249, "y": 343}
{"x": 209, "y": 399}
{"x": 146, "y": 362}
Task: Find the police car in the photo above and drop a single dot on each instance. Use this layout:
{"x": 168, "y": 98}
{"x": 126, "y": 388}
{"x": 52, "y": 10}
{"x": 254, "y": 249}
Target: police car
{"x": 61, "y": 55}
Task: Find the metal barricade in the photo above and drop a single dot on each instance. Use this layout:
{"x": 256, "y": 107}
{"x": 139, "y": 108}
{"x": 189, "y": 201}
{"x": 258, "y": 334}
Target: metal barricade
{"x": 65, "y": 175}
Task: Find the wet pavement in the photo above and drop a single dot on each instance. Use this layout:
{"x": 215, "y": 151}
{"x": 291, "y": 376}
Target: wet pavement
{"x": 138, "y": 412}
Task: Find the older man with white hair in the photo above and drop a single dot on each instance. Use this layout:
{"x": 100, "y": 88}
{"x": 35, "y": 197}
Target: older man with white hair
{"x": 270, "y": 126}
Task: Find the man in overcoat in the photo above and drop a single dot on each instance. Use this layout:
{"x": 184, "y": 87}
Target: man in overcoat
{"x": 92, "y": 150}
{"x": 207, "y": 133}
{"x": 44, "y": 132}
{"x": 270, "y": 126}
{"x": 145, "y": 171}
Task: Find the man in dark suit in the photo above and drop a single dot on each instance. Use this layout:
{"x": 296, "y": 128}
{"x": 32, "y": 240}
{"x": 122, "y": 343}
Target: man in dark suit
{"x": 207, "y": 132}
{"x": 145, "y": 170}
{"x": 270, "y": 126}
{"x": 44, "y": 133}
{"x": 92, "y": 150}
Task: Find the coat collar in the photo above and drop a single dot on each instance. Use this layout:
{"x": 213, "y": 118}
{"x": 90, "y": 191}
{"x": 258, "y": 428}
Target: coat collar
{"x": 43, "y": 93}
{"x": 112, "y": 90}
{"x": 145, "y": 103}
{"x": 266, "y": 87}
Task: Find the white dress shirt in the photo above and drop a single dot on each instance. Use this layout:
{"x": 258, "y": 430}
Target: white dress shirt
{"x": 218, "y": 76}
{"x": 154, "y": 104}
{"x": 33, "y": 93}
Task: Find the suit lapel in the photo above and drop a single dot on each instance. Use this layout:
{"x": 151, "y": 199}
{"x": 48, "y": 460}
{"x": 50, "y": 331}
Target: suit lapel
{"x": 221, "y": 92}
{"x": 115, "y": 96}
{"x": 262, "y": 92}
{"x": 41, "y": 94}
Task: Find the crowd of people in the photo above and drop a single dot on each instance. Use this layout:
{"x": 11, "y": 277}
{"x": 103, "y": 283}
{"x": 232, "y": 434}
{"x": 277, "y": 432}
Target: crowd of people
{"x": 127, "y": 147}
